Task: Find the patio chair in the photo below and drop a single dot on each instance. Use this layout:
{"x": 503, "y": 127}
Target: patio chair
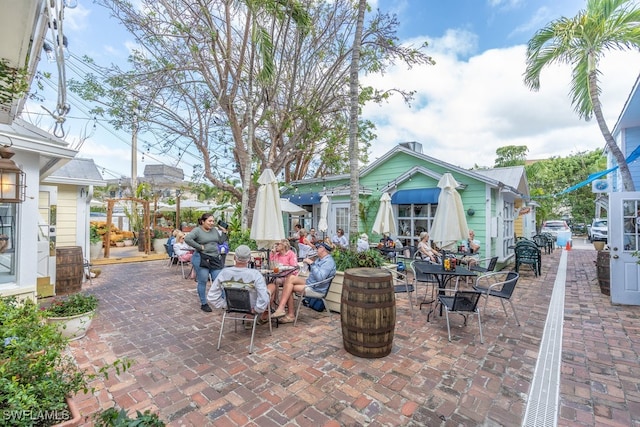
{"x": 500, "y": 285}
{"x": 528, "y": 255}
{"x": 551, "y": 245}
{"x": 461, "y": 302}
{"x": 302, "y": 295}
{"x": 238, "y": 298}
{"x": 86, "y": 265}
{"x": 489, "y": 262}
{"x": 175, "y": 260}
{"x": 429, "y": 280}
{"x": 542, "y": 242}
{"x": 401, "y": 285}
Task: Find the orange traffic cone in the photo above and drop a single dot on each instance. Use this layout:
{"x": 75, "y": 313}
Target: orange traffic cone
{"x": 568, "y": 246}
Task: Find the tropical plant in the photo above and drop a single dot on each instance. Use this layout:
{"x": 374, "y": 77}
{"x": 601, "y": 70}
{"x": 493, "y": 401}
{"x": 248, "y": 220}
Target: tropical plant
{"x": 238, "y": 237}
{"x": 582, "y": 41}
{"x": 72, "y": 305}
{"x": 36, "y": 373}
{"x": 113, "y": 418}
{"x": 94, "y": 236}
{"x": 347, "y": 258}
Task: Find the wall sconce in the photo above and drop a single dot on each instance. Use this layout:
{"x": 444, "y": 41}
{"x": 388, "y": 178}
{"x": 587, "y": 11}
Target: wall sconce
{"x": 471, "y": 212}
{"x": 12, "y": 178}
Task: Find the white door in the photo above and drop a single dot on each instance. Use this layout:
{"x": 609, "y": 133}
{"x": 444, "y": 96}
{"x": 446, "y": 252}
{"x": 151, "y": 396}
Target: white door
{"x": 47, "y": 207}
{"x": 624, "y": 241}
{"x": 339, "y": 218}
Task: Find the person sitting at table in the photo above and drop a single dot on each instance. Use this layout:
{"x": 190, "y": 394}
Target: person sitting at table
{"x": 425, "y": 251}
{"x": 387, "y": 246}
{"x": 282, "y": 255}
{"x": 363, "y": 243}
{"x": 340, "y": 240}
{"x": 239, "y": 272}
{"x": 183, "y": 251}
{"x": 472, "y": 247}
{"x": 313, "y": 239}
{"x": 320, "y": 269}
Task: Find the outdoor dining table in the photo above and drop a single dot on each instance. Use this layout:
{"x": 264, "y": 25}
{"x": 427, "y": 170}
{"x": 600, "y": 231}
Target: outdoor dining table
{"x": 283, "y": 271}
{"x": 444, "y": 277}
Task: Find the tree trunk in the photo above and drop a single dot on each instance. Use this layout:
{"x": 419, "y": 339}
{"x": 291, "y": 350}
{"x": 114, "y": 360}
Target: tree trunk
{"x": 353, "y": 128}
{"x": 616, "y": 152}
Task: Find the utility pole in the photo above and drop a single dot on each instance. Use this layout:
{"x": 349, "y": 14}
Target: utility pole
{"x": 134, "y": 153}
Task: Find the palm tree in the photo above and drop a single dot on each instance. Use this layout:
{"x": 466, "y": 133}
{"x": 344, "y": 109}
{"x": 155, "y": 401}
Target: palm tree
{"x": 581, "y": 42}
{"x": 353, "y": 125}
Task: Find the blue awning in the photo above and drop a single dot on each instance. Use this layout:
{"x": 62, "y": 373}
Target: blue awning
{"x": 417, "y": 196}
{"x": 303, "y": 198}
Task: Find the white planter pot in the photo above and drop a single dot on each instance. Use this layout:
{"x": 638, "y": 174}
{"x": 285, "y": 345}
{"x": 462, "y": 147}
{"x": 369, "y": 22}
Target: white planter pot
{"x": 158, "y": 246}
{"x": 73, "y": 327}
{"x": 95, "y": 250}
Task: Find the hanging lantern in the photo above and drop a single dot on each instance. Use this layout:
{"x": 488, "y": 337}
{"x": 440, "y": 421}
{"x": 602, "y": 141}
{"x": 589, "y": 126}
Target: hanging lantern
{"x": 12, "y": 178}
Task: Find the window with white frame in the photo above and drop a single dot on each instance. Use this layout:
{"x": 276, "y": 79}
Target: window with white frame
{"x": 508, "y": 216}
{"x": 7, "y": 242}
{"x": 414, "y": 219}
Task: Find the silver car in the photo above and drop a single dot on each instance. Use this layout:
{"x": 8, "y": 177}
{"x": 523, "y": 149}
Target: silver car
{"x": 599, "y": 230}
{"x": 553, "y": 227}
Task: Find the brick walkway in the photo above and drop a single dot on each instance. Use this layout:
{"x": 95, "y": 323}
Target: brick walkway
{"x": 302, "y": 376}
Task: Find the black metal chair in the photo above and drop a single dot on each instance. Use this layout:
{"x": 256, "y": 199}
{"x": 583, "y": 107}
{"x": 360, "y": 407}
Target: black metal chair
{"x": 461, "y": 302}
{"x": 427, "y": 280}
{"x": 302, "y": 295}
{"x": 500, "y": 285}
{"x": 238, "y": 298}
{"x": 490, "y": 265}
{"x": 528, "y": 255}
{"x": 551, "y": 244}
{"x": 542, "y": 242}
{"x": 401, "y": 285}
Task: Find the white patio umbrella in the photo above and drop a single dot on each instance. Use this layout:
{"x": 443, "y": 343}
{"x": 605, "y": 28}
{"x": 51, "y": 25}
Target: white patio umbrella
{"x": 385, "y": 222}
{"x": 324, "y": 214}
{"x": 292, "y": 208}
{"x": 267, "y": 227}
{"x": 450, "y": 223}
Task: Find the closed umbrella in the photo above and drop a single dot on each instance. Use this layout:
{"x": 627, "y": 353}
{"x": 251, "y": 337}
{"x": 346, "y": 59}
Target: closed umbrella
{"x": 267, "y": 227}
{"x": 385, "y": 222}
{"x": 450, "y": 223}
{"x": 324, "y": 214}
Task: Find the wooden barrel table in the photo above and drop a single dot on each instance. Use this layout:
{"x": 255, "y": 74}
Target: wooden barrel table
{"x": 69, "y": 270}
{"x": 368, "y": 312}
{"x": 604, "y": 272}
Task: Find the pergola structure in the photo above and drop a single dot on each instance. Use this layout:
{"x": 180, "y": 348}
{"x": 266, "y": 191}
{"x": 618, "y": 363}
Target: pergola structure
{"x": 146, "y": 223}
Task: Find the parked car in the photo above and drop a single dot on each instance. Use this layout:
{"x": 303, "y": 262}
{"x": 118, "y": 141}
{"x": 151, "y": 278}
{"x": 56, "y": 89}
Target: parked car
{"x": 554, "y": 226}
{"x": 599, "y": 230}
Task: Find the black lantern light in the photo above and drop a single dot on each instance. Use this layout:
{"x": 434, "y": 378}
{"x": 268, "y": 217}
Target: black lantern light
{"x": 12, "y": 178}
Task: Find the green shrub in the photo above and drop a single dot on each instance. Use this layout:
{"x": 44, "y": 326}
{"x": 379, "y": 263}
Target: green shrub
{"x": 346, "y": 258}
{"x": 114, "y": 418}
{"x": 237, "y": 238}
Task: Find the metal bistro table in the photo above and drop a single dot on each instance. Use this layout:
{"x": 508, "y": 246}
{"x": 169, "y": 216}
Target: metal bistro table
{"x": 443, "y": 277}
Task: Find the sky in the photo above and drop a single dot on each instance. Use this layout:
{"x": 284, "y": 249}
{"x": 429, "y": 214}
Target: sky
{"x": 471, "y": 102}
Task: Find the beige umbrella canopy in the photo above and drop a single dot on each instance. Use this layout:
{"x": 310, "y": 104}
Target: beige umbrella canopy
{"x": 267, "y": 227}
{"x": 385, "y": 222}
{"x": 450, "y": 223}
{"x": 323, "y": 225}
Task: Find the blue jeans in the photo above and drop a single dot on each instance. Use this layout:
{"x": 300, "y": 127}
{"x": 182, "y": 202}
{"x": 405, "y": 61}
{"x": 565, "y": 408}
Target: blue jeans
{"x": 202, "y": 274}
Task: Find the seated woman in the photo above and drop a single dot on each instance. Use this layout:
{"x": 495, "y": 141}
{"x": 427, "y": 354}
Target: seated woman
{"x": 282, "y": 255}
{"x": 425, "y": 251}
{"x": 183, "y": 251}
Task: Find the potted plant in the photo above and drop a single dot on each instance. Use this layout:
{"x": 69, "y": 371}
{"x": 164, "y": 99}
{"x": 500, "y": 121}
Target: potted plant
{"x": 37, "y": 375}
{"x": 345, "y": 259}
{"x": 159, "y": 240}
{"x": 95, "y": 242}
{"x": 72, "y": 315}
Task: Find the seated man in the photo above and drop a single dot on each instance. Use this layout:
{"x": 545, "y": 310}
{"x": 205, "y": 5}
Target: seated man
{"x": 320, "y": 269}
{"x": 240, "y": 273}
{"x": 471, "y": 246}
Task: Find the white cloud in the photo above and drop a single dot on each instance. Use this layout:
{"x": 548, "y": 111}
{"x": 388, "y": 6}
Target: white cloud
{"x": 464, "y": 110}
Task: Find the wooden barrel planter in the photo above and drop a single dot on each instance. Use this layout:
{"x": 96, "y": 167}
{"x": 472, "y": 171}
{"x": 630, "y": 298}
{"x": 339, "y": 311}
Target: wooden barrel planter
{"x": 604, "y": 272}
{"x": 368, "y": 312}
{"x": 69, "y": 270}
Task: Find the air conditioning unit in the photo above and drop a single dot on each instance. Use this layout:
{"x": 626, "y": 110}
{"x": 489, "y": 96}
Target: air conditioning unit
{"x": 600, "y": 186}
